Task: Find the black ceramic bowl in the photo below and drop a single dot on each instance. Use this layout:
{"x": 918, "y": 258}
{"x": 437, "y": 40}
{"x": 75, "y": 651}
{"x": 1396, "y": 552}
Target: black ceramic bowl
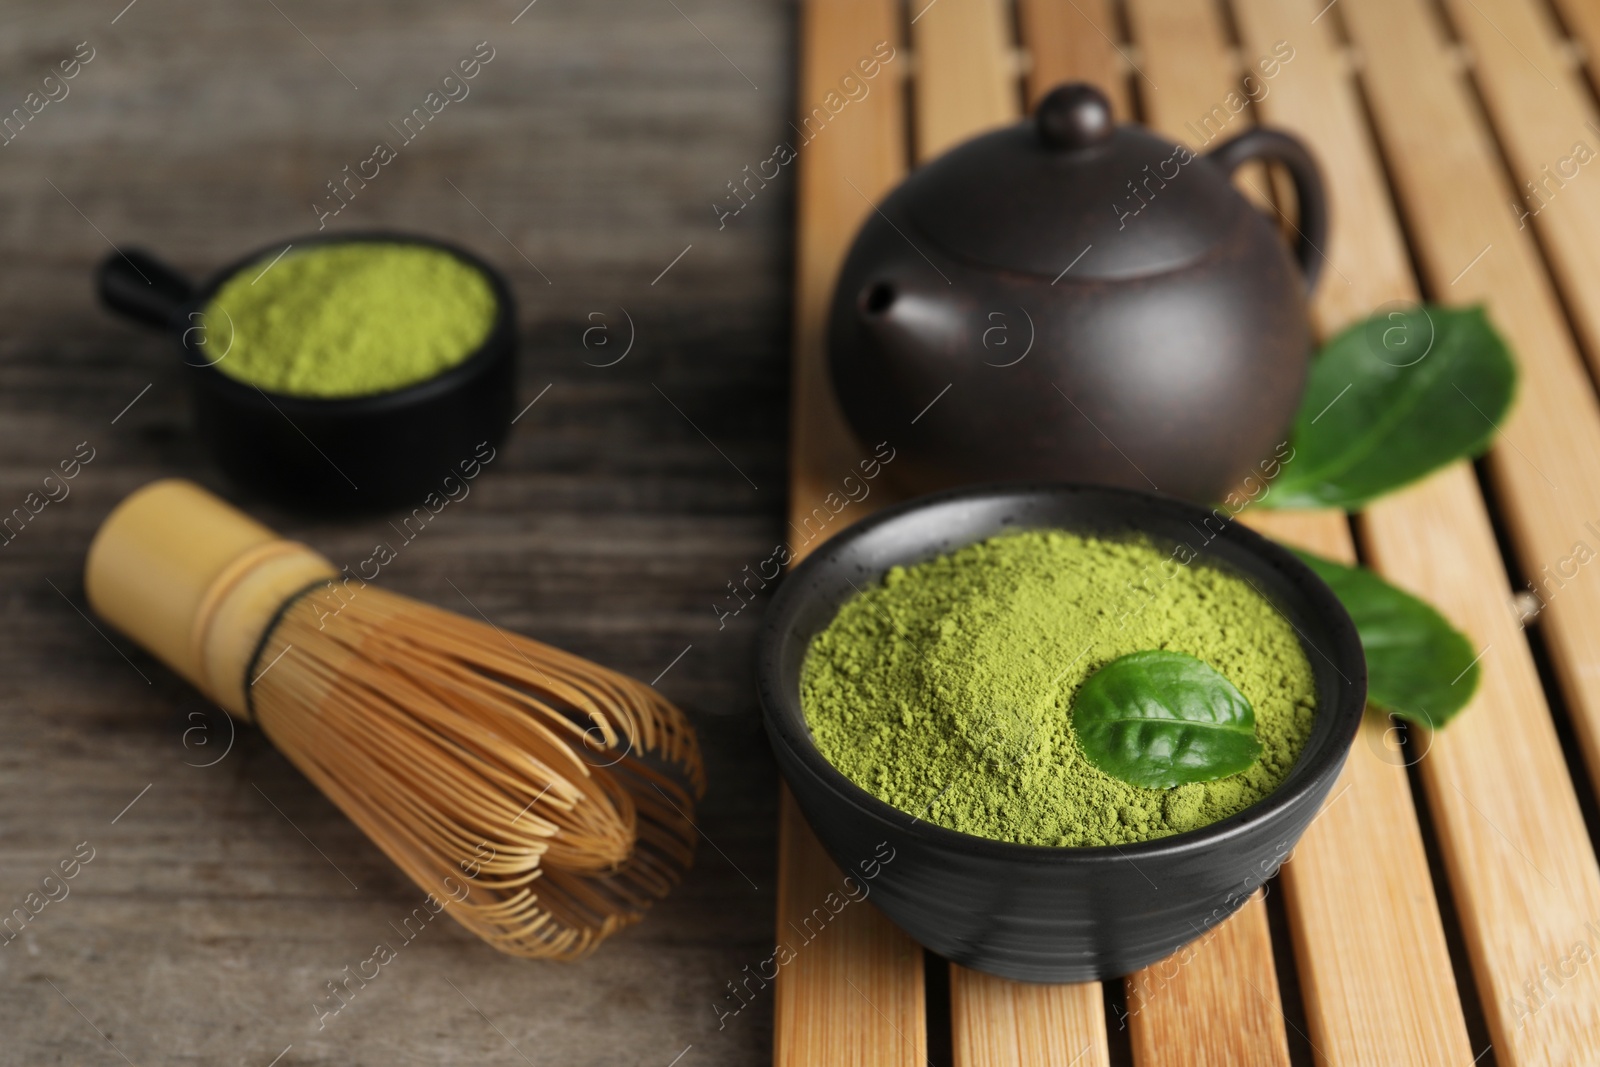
{"x": 1029, "y": 912}
{"x": 347, "y": 454}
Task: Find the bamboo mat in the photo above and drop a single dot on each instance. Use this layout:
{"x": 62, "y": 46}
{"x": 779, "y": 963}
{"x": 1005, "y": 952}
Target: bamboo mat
{"x": 1432, "y": 913}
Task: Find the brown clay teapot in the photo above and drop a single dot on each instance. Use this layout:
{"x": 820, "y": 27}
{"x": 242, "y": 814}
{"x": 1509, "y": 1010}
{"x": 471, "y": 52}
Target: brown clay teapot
{"x": 1070, "y": 299}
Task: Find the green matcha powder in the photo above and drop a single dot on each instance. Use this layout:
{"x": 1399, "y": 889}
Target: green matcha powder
{"x": 947, "y": 690}
{"x": 349, "y": 319}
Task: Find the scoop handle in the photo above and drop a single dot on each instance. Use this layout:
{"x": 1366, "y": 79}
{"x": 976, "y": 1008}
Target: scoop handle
{"x": 138, "y": 286}
{"x": 1275, "y": 146}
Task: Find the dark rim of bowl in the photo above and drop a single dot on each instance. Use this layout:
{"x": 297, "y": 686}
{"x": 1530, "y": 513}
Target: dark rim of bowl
{"x": 786, "y": 719}
{"x": 500, "y": 332}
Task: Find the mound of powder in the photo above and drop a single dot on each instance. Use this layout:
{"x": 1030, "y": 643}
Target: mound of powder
{"x": 348, "y": 319}
{"x": 947, "y": 690}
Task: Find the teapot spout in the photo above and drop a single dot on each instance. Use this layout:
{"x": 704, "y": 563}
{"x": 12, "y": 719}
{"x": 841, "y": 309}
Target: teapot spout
{"x": 897, "y": 313}
{"x": 877, "y": 299}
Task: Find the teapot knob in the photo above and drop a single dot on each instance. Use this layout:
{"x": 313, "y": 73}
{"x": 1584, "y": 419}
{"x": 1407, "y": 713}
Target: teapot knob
{"x": 1075, "y": 115}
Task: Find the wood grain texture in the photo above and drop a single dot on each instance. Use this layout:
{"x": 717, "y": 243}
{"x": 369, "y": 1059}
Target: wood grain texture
{"x": 1519, "y": 858}
{"x": 1212, "y": 1003}
{"x": 851, "y": 164}
{"x": 1514, "y": 842}
{"x": 1186, "y": 53}
{"x": 966, "y": 71}
{"x": 1366, "y": 264}
{"x": 208, "y": 923}
{"x": 1188, "y": 57}
{"x": 1544, "y": 118}
{"x": 1375, "y": 977}
{"x": 853, "y": 996}
{"x": 1545, "y": 121}
{"x": 1074, "y": 40}
{"x": 1582, "y": 19}
{"x": 998, "y": 1023}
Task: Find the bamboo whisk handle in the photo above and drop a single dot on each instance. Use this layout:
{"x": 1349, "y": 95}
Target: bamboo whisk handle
{"x": 196, "y": 582}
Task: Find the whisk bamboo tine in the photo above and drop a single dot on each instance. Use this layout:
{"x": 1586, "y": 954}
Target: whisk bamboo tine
{"x": 642, "y": 721}
{"x": 543, "y": 800}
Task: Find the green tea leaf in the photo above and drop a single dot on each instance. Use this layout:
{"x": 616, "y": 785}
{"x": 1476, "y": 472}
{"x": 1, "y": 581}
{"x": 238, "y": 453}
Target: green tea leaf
{"x": 1159, "y": 719}
{"x": 1418, "y": 666}
{"x": 1392, "y": 399}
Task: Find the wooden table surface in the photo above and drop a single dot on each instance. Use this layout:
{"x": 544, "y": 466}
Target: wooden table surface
{"x": 586, "y": 159}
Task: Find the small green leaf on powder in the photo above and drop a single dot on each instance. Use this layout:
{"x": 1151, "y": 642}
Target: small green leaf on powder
{"x": 1158, "y": 719}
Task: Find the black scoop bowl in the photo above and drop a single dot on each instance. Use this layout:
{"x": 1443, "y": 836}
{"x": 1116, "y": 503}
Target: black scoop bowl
{"x": 349, "y": 454}
{"x": 1034, "y": 913}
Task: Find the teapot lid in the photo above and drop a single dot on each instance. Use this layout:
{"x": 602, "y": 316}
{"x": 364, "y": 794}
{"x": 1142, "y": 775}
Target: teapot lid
{"x": 1071, "y": 189}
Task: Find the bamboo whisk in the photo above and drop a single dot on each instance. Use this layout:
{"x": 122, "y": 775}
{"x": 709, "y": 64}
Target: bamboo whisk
{"x": 544, "y": 799}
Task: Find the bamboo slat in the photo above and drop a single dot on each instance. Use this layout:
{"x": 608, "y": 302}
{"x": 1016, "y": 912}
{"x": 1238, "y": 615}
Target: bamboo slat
{"x": 1365, "y": 262}
{"x": 1074, "y": 39}
{"x": 1511, "y": 833}
{"x": 1373, "y": 964}
{"x": 854, "y": 996}
{"x": 1192, "y": 71}
{"x": 848, "y": 166}
{"x": 1550, "y": 132}
{"x": 1376, "y": 982}
{"x": 1188, "y": 59}
{"x": 1582, "y": 18}
{"x": 1546, "y": 122}
{"x": 1515, "y": 847}
{"x": 1214, "y": 1002}
{"x": 996, "y": 1023}
{"x": 966, "y": 71}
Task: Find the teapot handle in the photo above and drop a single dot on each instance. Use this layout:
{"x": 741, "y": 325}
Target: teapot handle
{"x": 1275, "y": 146}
